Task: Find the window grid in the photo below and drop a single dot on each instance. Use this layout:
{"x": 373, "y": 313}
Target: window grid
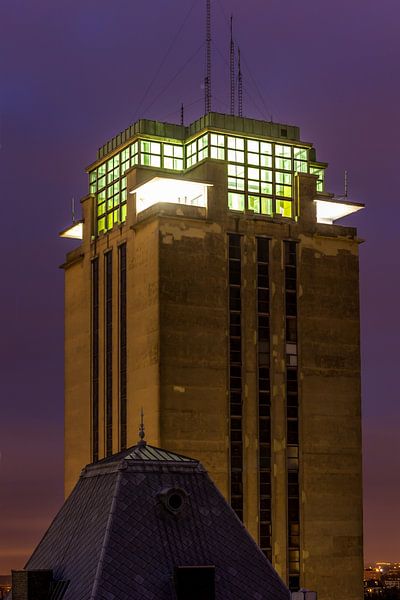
{"x": 260, "y": 174}
{"x": 235, "y": 374}
{"x": 95, "y": 360}
{"x": 320, "y": 172}
{"x": 122, "y": 347}
{"x": 108, "y": 352}
{"x": 292, "y": 416}
{"x": 264, "y": 398}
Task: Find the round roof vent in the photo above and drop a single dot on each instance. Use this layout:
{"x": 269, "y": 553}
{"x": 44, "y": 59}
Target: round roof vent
{"x": 174, "y": 500}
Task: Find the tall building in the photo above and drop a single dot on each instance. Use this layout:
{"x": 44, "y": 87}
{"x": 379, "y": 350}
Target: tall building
{"x": 213, "y": 286}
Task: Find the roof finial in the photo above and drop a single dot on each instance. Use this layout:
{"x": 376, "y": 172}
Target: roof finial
{"x": 142, "y": 441}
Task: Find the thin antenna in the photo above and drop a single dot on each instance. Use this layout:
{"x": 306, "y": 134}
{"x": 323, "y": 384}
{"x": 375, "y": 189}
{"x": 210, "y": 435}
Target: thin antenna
{"x": 232, "y": 70}
{"x": 142, "y": 441}
{"x": 207, "y": 81}
{"x": 346, "y": 184}
{"x": 240, "y": 87}
{"x": 73, "y": 209}
{"x": 182, "y": 113}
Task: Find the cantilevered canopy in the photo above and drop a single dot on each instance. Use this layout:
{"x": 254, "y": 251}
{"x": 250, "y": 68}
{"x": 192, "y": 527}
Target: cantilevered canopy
{"x": 175, "y": 191}
{"x": 330, "y": 210}
{"x": 74, "y": 231}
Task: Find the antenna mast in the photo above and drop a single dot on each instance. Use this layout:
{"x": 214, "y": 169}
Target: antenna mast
{"x": 232, "y": 70}
{"x": 207, "y": 81}
{"x": 182, "y": 114}
{"x": 240, "y": 87}
{"x": 346, "y": 184}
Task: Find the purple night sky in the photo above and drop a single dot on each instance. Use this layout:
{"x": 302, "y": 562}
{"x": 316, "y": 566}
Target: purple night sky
{"x": 73, "y": 74}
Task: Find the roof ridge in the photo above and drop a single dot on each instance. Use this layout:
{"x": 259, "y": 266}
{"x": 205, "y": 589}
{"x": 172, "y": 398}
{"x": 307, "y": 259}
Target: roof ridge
{"x": 106, "y": 537}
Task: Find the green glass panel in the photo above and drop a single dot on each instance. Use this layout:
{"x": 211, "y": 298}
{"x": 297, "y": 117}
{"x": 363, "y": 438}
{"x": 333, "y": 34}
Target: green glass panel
{"x": 218, "y": 153}
{"x": 254, "y": 203}
{"x": 101, "y": 182}
{"x": 146, "y": 159}
{"x": 101, "y": 225}
{"x": 265, "y": 188}
{"x": 284, "y": 208}
{"x": 266, "y": 206}
{"x": 124, "y": 195}
{"x": 101, "y": 196}
{"x": 300, "y": 166}
{"x": 281, "y": 150}
{"x": 125, "y": 155}
{"x": 178, "y": 164}
{"x": 283, "y": 190}
{"x": 101, "y": 170}
{"x": 92, "y": 188}
{"x": 155, "y": 161}
{"x": 145, "y": 146}
{"x": 265, "y": 148}
{"x": 253, "y": 186}
{"x": 253, "y": 146}
{"x": 235, "y": 184}
{"x": 101, "y": 209}
{"x": 236, "y": 201}
{"x": 203, "y": 153}
{"x": 155, "y": 147}
{"x": 124, "y": 166}
{"x": 266, "y": 161}
{"x": 92, "y": 176}
{"x": 253, "y": 173}
{"x": 300, "y": 153}
{"x": 253, "y": 159}
{"x": 285, "y": 178}
{"x": 266, "y": 175}
{"x": 168, "y": 162}
{"x": 283, "y": 163}
{"x": 217, "y": 140}
{"x": 236, "y": 156}
{"x": 236, "y": 143}
{"x": 109, "y": 221}
{"x": 123, "y": 213}
{"x": 203, "y": 141}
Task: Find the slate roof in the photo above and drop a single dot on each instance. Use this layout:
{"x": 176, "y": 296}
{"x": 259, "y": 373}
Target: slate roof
{"x": 114, "y": 539}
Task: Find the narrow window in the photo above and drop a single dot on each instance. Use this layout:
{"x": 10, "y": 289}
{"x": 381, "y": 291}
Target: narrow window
{"x": 264, "y": 397}
{"x": 95, "y": 360}
{"x": 122, "y": 345}
{"x": 108, "y": 352}
{"x": 235, "y": 375}
{"x": 292, "y": 416}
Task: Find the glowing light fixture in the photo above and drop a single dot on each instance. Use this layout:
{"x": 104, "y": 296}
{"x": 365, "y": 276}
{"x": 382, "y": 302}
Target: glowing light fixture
{"x": 175, "y": 191}
{"x": 73, "y": 232}
{"x": 329, "y": 211}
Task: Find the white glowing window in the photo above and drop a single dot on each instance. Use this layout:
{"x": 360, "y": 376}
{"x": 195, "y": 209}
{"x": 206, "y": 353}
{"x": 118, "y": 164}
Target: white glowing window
{"x": 329, "y": 211}
{"x": 174, "y": 191}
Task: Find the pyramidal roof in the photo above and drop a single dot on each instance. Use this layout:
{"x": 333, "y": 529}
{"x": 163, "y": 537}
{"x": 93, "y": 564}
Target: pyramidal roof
{"x": 137, "y": 517}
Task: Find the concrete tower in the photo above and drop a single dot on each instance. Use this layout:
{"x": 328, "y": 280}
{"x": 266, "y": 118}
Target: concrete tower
{"x": 213, "y": 288}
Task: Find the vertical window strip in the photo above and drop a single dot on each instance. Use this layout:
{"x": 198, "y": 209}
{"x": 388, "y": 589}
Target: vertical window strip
{"x": 122, "y": 346}
{"x": 292, "y": 416}
{"x": 108, "y": 353}
{"x": 235, "y": 375}
{"x": 264, "y": 398}
{"x": 95, "y": 360}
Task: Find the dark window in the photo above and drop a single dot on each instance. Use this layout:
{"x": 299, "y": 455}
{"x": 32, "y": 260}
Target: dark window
{"x": 195, "y": 583}
{"x": 95, "y": 360}
{"x": 264, "y": 399}
{"x": 235, "y": 373}
{"x": 292, "y": 423}
{"x": 122, "y": 345}
{"x": 109, "y": 355}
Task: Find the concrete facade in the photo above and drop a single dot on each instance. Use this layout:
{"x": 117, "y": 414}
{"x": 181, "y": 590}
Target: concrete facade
{"x": 178, "y": 358}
